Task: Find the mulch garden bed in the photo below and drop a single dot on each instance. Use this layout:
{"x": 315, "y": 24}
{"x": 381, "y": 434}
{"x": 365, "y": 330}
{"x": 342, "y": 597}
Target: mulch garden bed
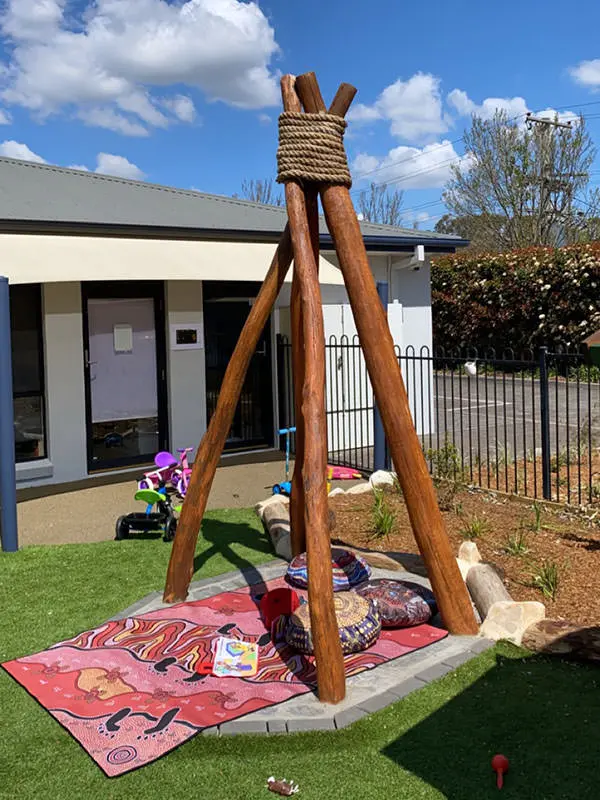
{"x": 521, "y": 539}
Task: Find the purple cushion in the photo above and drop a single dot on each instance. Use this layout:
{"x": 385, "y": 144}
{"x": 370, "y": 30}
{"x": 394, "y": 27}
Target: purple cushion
{"x": 401, "y": 604}
{"x": 349, "y": 569}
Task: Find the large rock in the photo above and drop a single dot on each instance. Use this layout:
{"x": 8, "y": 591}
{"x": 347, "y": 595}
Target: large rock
{"x": 469, "y": 552}
{"x": 563, "y": 638}
{"x": 509, "y": 620}
{"x": 382, "y": 479}
{"x": 360, "y": 488}
{"x": 336, "y": 491}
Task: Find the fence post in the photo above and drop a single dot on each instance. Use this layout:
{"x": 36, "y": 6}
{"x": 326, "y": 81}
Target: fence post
{"x": 8, "y": 478}
{"x": 545, "y": 421}
{"x": 380, "y": 460}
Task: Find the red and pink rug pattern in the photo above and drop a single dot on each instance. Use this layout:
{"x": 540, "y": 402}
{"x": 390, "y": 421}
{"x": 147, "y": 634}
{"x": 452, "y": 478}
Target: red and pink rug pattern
{"x": 127, "y": 691}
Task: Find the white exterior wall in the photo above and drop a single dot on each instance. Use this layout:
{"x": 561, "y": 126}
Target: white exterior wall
{"x": 349, "y": 392}
{"x": 185, "y": 368}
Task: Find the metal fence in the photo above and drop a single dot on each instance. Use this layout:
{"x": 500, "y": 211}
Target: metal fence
{"x": 526, "y": 423}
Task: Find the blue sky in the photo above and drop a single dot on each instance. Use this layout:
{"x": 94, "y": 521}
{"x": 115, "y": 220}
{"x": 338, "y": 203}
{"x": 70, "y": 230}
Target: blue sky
{"x": 186, "y": 94}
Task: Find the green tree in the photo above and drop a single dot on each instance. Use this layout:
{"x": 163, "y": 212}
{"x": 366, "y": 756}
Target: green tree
{"x": 522, "y": 187}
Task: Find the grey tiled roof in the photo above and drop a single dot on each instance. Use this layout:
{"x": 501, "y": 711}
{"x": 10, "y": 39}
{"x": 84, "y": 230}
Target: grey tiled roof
{"x": 31, "y": 192}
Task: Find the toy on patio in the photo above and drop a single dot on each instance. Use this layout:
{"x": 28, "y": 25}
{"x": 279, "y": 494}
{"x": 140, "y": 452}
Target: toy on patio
{"x": 311, "y": 163}
{"x": 285, "y": 487}
{"x": 500, "y": 766}
{"x": 166, "y": 464}
{"x": 183, "y": 471}
{"x": 163, "y": 520}
{"x": 337, "y": 473}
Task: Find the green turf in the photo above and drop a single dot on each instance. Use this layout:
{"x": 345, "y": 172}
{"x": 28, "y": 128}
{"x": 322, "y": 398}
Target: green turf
{"x": 437, "y": 743}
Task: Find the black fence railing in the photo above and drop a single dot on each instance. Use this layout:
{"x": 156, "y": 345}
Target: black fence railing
{"x": 525, "y": 423}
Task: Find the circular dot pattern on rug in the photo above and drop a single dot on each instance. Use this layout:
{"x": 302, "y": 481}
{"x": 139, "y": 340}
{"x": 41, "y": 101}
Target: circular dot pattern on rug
{"x": 121, "y": 755}
{"x": 401, "y": 604}
{"x": 358, "y": 624}
{"x": 349, "y": 570}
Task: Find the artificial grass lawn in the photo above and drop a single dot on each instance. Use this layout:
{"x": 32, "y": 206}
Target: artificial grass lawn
{"x": 436, "y": 743}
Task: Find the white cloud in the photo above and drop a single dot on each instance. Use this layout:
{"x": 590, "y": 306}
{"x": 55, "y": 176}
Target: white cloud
{"x": 119, "y": 166}
{"x": 12, "y": 149}
{"x": 182, "y": 106}
{"x": 587, "y": 73}
{"x": 5, "y": 118}
{"x": 413, "y": 108}
{"x": 264, "y": 119}
{"x": 112, "y": 121}
{"x": 410, "y": 167}
{"x": 111, "y": 53}
{"x": 563, "y": 116}
{"x": 461, "y": 102}
{"x": 80, "y": 167}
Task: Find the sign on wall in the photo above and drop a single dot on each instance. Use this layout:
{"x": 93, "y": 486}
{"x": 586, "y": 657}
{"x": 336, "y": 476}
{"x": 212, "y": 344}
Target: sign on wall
{"x": 187, "y": 336}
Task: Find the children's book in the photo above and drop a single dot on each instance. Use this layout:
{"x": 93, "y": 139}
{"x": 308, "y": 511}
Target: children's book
{"x": 234, "y": 658}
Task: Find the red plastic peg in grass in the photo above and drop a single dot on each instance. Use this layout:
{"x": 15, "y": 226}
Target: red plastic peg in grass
{"x": 500, "y": 766}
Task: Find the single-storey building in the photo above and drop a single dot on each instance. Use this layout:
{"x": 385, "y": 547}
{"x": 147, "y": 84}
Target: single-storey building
{"x": 127, "y": 299}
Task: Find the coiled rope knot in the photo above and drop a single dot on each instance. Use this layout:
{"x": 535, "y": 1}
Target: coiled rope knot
{"x": 311, "y": 148}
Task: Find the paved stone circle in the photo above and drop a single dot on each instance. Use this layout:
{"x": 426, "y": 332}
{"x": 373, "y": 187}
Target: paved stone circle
{"x": 367, "y": 692}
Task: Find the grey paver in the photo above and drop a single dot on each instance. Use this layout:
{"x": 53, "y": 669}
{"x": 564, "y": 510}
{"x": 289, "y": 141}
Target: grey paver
{"x": 480, "y": 645}
{"x": 349, "y": 716}
{"x": 276, "y": 726}
{"x": 314, "y": 724}
{"x": 378, "y": 701}
{"x": 242, "y": 726}
{"x": 433, "y": 672}
{"x": 459, "y": 659}
{"x": 214, "y": 731}
{"x": 406, "y": 687}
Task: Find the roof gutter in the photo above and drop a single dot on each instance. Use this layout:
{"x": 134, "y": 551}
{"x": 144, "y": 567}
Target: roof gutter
{"x": 60, "y": 227}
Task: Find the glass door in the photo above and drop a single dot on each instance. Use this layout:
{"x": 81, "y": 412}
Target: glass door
{"x": 124, "y": 362}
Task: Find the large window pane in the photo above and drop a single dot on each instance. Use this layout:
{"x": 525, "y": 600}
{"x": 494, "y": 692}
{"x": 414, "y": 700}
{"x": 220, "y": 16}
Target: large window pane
{"x": 29, "y": 428}
{"x": 28, "y": 371}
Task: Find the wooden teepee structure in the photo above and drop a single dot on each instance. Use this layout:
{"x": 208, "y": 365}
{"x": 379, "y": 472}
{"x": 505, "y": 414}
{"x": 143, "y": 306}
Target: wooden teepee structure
{"x": 312, "y": 162}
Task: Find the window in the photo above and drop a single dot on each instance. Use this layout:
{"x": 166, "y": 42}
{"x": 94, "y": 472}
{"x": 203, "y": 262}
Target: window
{"x": 28, "y": 371}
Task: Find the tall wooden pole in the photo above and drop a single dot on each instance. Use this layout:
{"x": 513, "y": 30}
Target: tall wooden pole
{"x": 181, "y": 564}
{"x": 390, "y": 393}
{"x": 327, "y": 646}
{"x": 340, "y": 105}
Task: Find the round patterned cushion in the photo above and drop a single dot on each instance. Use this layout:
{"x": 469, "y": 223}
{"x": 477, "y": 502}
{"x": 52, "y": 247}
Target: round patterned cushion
{"x": 400, "y": 604}
{"x": 349, "y": 570}
{"x": 358, "y": 623}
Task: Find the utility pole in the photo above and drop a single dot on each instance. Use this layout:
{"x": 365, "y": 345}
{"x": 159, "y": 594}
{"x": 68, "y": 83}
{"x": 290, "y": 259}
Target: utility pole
{"x": 547, "y": 180}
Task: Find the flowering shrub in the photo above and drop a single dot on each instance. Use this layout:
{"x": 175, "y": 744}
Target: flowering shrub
{"x": 519, "y": 299}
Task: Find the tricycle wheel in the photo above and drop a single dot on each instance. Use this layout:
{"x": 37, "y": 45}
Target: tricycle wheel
{"x": 170, "y": 529}
{"x": 122, "y": 529}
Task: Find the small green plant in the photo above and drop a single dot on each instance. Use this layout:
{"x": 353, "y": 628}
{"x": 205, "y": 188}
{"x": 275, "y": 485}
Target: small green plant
{"x": 383, "y": 516}
{"x": 474, "y": 528}
{"x": 537, "y": 510}
{"x": 446, "y": 461}
{"x": 458, "y": 509}
{"x": 547, "y": 579}
{"x": 516, "y": 544}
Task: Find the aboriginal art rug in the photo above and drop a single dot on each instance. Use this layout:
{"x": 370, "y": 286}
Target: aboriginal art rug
{"x": 128, "y": 691}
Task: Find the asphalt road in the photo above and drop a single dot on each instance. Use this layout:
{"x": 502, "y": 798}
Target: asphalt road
{"x": 505, "y": 412}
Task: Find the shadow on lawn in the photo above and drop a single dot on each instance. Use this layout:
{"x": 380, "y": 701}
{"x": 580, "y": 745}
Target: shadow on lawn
{"x": 541, "y": 713}
{"x": 223, "y": 535}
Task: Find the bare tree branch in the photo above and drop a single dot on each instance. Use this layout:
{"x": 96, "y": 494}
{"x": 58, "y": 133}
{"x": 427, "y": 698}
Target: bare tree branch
{"x": 262, "y": 191}
{"x": 377, "y": 204}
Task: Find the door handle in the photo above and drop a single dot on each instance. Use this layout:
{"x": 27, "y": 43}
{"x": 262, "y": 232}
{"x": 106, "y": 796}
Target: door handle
{"x": 87, "y": 361}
